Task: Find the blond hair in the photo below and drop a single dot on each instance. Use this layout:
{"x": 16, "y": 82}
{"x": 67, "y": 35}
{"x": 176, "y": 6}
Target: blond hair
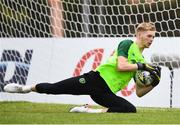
{"x": 145, "y": 26}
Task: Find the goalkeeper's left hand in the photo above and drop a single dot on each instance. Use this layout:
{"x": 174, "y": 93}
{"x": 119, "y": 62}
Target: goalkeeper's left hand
{"x": 156, "y": 75}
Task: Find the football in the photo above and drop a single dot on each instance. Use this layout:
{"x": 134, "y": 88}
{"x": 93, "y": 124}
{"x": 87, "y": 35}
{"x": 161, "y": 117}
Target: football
{"x": 143, "y": 78}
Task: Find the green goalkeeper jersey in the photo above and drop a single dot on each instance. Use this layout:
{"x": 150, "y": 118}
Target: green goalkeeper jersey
{"x": 117, "y": 80}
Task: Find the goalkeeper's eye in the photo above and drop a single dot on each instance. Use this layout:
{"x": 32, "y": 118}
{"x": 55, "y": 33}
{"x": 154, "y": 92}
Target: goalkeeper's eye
{"x": 150, "y": 36}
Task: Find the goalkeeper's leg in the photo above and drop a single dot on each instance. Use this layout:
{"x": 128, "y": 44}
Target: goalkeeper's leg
{"x": 107, "y": 99}
{"x": 68, "y": 86}
{"x": 80, "y": 85}
{"x": 114, "y": 103}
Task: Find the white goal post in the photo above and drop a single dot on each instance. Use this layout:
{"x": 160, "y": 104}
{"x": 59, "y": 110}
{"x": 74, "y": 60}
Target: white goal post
{"x": 87, "y": 18}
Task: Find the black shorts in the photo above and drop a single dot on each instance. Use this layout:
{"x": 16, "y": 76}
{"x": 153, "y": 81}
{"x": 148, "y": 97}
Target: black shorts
{"x": 92, "y": 84}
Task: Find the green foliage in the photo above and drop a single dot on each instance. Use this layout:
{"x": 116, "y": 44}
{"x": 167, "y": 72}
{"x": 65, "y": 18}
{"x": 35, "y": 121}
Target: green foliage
{"x": 43, "y": 113}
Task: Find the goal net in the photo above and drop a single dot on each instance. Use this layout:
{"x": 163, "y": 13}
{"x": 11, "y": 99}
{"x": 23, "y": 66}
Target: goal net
{"x": 87, "y": 18}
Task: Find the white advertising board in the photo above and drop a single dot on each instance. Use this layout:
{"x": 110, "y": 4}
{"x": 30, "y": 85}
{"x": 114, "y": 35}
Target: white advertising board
{"x": 35, "y": 60}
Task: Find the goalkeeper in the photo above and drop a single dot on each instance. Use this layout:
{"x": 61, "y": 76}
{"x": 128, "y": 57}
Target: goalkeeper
{"x": 109, "y": 78}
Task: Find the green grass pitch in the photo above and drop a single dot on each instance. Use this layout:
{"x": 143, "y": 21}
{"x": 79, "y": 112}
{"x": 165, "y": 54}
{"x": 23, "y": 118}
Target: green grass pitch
{"x": 43, "y": 113}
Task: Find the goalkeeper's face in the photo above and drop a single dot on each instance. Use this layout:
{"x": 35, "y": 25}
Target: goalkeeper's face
{"x": 146, "y": 38}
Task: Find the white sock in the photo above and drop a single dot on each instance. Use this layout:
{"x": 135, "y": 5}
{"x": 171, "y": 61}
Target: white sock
{"x": 90, "y": 110}
{"x": 27, "y": 88}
